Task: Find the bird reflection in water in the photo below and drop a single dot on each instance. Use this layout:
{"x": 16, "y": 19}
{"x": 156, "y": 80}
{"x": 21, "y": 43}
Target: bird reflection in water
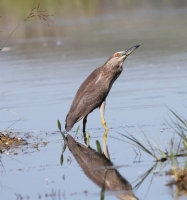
{"x": 100, "y": 169}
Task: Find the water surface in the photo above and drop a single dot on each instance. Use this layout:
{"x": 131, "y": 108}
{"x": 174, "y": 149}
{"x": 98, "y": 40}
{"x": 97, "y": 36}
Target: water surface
{"x": 42, "y": 68}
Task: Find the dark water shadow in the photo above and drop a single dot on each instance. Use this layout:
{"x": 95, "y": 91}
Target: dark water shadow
{"x": 100, "y": 170}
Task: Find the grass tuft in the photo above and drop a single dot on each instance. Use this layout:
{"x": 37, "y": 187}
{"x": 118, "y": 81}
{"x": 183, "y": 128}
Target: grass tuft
{"x": 35, "y": 12}
{"x": 150, "y": 147}
{"x": 146, "y": 145}
{"x": 180, "y": 127}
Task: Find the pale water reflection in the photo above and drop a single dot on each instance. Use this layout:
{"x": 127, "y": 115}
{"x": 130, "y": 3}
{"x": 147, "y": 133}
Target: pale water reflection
{"x": 100, "y": 170}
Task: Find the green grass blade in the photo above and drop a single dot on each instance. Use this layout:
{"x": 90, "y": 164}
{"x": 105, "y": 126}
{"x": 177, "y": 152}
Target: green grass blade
{"x": 98, "y": 147}
{"x": 183, "y": 121}
{"x": 59, "y": 125}
{"x": 87, "y": 139}
{"x": 77, "y": 130}
{"x": 13, "y": 124}
{"x": 62, "y": 133}
{"x": 138, "y": 144}
{"x": 61, "y": 159}
{"x": 185, "y": 144}
{"x": 9, "y": 36}
{"x": 149, "y": 143}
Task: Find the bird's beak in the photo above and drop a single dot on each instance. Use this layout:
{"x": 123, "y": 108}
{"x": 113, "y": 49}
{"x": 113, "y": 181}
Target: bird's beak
{"x": 129, "y": 51}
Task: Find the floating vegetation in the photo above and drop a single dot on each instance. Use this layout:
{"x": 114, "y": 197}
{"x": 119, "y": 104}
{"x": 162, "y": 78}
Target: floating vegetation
{"x": 178, "y": 179}
{"x": 7, "y": 141}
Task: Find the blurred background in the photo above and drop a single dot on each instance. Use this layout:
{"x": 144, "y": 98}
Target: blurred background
{"x": 90, "y": 22}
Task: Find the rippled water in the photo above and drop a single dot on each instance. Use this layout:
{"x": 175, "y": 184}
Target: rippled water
{"x": 42, "y": 72}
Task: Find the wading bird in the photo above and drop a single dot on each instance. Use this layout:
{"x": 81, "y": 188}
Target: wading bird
{"x": 94, "y": 90}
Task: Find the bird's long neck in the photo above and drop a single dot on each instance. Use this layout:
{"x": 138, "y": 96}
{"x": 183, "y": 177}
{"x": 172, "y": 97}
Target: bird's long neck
{"x": 110, "y": 75}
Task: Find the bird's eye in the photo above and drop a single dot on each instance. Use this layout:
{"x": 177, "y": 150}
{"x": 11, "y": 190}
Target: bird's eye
{"x": 117, "y": 55}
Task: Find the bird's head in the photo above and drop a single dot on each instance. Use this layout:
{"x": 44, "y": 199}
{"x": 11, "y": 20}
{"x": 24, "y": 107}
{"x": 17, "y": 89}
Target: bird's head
{"x": 117, "y": 59}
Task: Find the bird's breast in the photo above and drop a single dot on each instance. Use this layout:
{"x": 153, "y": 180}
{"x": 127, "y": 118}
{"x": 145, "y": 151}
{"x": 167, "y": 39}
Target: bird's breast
{"x": 110, "y": 77}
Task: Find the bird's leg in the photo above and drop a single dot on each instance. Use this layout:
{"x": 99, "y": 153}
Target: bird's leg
{"x": 102, "y": 111}
{"x": 105, "y": 150}
{"x": 84, "y": 127}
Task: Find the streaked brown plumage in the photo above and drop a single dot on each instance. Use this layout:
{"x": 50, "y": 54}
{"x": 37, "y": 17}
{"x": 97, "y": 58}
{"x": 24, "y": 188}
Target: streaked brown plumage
{"x": 94, "y": 90}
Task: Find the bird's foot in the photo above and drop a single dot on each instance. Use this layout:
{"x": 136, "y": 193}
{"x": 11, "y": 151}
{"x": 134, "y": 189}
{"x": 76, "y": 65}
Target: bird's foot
{"x": 105, "y": 150}
{"x": 105, "y": 137}
{"x": 104, "y": 125}
{"x": 106, "y": 130}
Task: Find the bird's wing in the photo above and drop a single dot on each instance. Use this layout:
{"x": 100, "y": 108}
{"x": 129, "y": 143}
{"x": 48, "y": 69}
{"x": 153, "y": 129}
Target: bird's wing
{"x": 92, "y": 98}
{"x": 95, "y": 96}
{"x": 86, "y": 89}
{"x": 89, "y": 96}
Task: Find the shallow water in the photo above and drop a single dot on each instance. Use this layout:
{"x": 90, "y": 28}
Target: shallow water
{"x": 42, "y": 68}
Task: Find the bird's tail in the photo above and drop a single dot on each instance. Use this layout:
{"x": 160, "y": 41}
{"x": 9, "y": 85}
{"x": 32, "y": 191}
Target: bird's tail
{"x": 70, "y": 121}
